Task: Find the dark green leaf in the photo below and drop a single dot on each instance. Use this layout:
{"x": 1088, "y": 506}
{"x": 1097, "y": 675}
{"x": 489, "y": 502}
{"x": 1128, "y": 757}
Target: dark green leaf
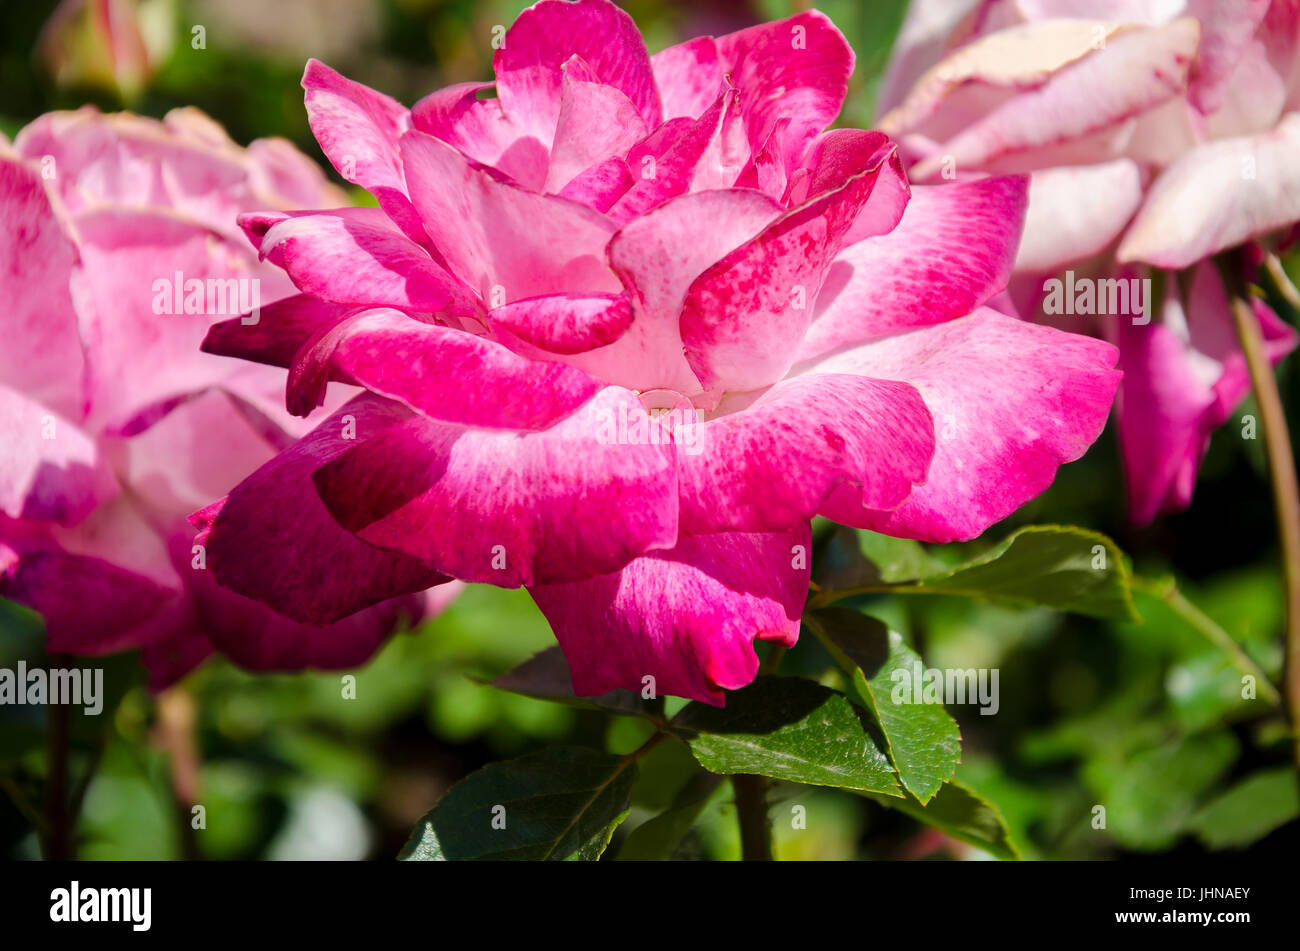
{"x": 545, "y": 676}
{"x": 557, "y": 804}
{"x": 963, "y": 814}
{"x": 788, "y": 728}
{"x": 922, "y": 740}
{"x": 1069, "y": 569}
{"x": 1249, "y": 810}
{"x": 656, "y": 839}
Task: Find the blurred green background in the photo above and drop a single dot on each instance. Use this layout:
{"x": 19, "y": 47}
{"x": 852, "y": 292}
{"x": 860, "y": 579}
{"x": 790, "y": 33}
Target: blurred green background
{"x": 1145, "y": 718}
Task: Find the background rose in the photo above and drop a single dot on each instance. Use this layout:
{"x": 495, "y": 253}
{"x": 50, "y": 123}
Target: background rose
{"x": 611, "y": 234}
{"x": 1158, "y": 135}
{"x": 115, "y": 425}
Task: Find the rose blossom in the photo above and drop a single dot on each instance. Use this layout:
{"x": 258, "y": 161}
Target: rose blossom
{"x": 115, "y": 425}
{"x": 1158, "y": 135}
{"x": 626, "y": 324}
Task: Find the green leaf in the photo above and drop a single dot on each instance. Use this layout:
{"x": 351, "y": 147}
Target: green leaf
{"x": 1249, "y": 810}
{"x": 788, "y": 728}
{"x": 1069, "y": 569}
{"x": 545, "y": 676}
{"x": 557, "y": 804}
{"x": 656, "y": 839}
{"x": 897, "y": 559}
{"x": 963, "y": 814}
{"x": 922, "y": 740}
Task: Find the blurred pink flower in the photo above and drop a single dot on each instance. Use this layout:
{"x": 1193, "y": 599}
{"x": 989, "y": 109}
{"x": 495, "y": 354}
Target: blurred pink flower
{"x": 118, "y": 250}
{"x": 1158, "y": 134}
{"x": 626, "y": 323}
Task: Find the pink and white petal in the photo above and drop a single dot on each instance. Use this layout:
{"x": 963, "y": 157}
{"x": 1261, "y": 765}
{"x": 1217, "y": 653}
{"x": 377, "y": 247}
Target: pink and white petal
{"x": 1137, "y": 70}
{"x": 357, "y": 256}
{"x": 687, "y": 617}
{"x": 482, "y": 131}
{"x": 440, "y": 372}
{"x": 771, "y": 465}
{"x": 798, "y": 67}
{"x": 565, "y": 323}
{"x": 744, "y": 317}
{"x": 928, "y": 32}
{"x": 689, "y": 77}
{"x": 1228, "y": 28}
{"x": 193, "y": 454}
{"x": 1251, "y": 101}
{"x": 1020, "y": 57}
{"x": 685, "y": 155}
{"x": 528, "y": 64}
{"x": 358, "y": 130}
{"x": 951, "y": 252}
{"x": 991, "y": 455}
{"x": 1218, "y": 196}
{"x": 357, "y": 127}
{"x": 596, "y": 123}
{"x": 600, "y": 186}
{"x": 126, "y": 293}
{"x": 579, "y": 499}
{"x": 36, "y": 259}
{"x": 493, "y": 234}
{"x": 1162, "y": 415}
{"x": 50, "y": 471}
{"x": 1060, "y": 229}
{"x": 657, "y": 256}
{"x": 272, "y": 540}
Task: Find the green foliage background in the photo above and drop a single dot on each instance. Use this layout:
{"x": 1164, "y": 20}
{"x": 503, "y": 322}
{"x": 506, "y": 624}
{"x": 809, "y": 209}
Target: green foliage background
{"x": 1142, "y": 716}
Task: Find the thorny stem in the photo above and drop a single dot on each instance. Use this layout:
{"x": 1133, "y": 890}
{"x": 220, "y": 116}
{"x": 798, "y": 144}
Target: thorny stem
{"x": 1286, "y": 492}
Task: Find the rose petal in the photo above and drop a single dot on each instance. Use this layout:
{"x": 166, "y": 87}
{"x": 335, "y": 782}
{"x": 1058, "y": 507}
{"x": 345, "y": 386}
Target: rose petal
{"x": 686, "y": 617}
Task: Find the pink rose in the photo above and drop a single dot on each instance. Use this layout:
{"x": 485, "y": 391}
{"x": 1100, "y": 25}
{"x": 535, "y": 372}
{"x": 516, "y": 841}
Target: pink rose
{"x": 626, "y": 323}
{"x": 115, "y": 425}
{"x": 1158, "y": 134}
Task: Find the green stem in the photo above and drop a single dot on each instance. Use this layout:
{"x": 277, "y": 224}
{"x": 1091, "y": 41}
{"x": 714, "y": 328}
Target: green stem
{"x": 1204, "y": 624}
{"x": 751, "y": 812}
{"x": 1286, "y": 491}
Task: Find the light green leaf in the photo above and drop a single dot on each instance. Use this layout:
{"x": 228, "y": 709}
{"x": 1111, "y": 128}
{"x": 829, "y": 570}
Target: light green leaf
{"x": 897, "y": 559}
{"x": 1249, "y": 810}
{"x": 1151, "y": 797}
{"x": 556, "y": 804}
{"x": 922, "y": 740}
{"x": 788, "y": 728}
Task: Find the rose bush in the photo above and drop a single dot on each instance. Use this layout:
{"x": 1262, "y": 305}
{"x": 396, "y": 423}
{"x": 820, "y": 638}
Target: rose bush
{"x": 1157, "y": 135}
{"x": 626, "y": 323}
{"x": 119, "y": 244}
